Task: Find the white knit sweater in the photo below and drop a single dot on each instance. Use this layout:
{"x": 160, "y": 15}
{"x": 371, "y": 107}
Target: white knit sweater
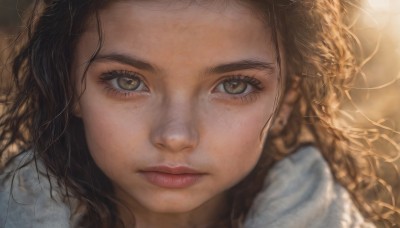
{"x": 299, "y": 192}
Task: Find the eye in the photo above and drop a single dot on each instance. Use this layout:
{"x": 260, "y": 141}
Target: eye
{"x": 234, "y": 86}
{"x": 239, "y": 85}
{"x": 124, "y": 81}
{"x": 128, "y": 83}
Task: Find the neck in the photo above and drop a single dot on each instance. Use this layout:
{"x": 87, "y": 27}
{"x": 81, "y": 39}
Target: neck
{"x": 205, "y": 216}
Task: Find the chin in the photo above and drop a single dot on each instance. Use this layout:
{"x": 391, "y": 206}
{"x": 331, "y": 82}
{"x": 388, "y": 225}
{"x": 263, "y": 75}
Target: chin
{"x": 171, "y": 206}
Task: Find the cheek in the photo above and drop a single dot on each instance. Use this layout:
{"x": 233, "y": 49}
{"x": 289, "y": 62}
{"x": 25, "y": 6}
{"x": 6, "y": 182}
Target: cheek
{"x": 112, "y": 135}
{"x": 245, "y": 144}
{"x": 104, "y": 138}
{"x": 237, "y": 143}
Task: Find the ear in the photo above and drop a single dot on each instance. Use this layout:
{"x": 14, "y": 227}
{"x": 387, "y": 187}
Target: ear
{"x": 285, "y": 109}
{"x": 76, "y": 109}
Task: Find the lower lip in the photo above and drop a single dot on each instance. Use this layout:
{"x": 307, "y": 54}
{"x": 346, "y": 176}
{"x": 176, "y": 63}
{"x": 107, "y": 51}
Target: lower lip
{"x": 167, "y": 180}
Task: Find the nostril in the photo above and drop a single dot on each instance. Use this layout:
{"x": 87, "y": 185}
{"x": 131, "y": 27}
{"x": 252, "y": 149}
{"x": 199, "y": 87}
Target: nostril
{"x": 175, "y": 138}
{"x": 174, "y": 143}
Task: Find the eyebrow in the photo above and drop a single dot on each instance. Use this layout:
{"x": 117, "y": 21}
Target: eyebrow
{"x": 127, "y": 60}
{"x": 247, "y": 64}
{"x": 241, "y": 65}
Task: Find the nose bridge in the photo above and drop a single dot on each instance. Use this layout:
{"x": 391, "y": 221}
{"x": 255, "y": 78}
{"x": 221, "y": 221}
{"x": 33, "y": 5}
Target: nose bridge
{"x": 175, "y": 128}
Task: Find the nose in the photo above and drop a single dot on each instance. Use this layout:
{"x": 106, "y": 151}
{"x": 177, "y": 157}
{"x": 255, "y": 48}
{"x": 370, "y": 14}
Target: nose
{"x": 175, "y": 128}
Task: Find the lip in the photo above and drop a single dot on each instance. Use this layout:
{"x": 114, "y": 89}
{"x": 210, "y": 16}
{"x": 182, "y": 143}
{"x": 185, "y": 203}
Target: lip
{"x": 172, "y": 177}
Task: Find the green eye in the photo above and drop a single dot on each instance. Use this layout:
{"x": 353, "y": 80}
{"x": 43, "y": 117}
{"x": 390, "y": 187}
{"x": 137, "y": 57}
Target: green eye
{"x": 235, "y": 86}
{"x": 238, "y": 86}
{"x": 124, "y": 82}
{"x": 128, "y": 83}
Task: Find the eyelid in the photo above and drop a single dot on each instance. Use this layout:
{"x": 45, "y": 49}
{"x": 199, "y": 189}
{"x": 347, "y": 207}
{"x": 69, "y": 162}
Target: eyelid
{"x": 250, "y": 80}
{"x": 256, "y": 87}
{"x": 109, "y": 75}
{"x": 108, "y": 78}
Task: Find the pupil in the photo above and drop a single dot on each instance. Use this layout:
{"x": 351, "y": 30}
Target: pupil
{"x": 128, "y": 83}
{"x": 235, "y": 87}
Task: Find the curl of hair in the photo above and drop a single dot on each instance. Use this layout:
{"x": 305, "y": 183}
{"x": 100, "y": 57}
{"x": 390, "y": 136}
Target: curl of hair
{"x": 321, "y": 53}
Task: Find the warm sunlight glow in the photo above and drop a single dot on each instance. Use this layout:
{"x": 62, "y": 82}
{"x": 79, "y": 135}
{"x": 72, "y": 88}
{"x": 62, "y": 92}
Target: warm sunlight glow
{"x": 379, "y": 5}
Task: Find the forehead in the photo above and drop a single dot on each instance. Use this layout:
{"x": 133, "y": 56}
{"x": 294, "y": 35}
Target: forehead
{"x": 216, "y": 5}
{"x": 181, "y": 32}
{"x": 182, "y": 11}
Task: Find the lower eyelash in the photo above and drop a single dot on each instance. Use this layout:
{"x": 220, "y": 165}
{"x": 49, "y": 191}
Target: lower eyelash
{"x": 112, "y": 91}
{"x": 245, "y": 97}
{"x": 249, "y": 97}
{"x": 248, "y": 79}
{"x": 106, "y": 78}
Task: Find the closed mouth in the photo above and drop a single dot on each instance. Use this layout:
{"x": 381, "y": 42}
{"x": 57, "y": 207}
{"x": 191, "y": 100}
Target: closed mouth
{"x": 171, "y": 177}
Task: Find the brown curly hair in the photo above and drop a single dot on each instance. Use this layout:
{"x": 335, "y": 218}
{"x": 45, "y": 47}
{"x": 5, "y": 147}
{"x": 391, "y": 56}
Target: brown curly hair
{"x": 321, "y": 65}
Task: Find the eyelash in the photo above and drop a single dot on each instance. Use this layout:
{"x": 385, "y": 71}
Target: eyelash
{"x": 249, "y": 80}
{"x": 106, "y": 78}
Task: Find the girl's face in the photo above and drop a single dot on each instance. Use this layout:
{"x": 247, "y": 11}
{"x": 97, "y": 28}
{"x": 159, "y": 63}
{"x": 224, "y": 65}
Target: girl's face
{"x": 175, "y": 103}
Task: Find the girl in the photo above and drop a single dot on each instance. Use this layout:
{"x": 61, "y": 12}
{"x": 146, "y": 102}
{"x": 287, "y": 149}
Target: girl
{"x": 182, "y": 114}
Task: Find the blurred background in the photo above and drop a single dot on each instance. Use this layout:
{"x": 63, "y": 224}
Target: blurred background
{"x": 375, "y": 98}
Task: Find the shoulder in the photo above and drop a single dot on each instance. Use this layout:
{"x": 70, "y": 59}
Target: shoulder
{"x": 300, "y": 191}
{"x": 27, "y": 198}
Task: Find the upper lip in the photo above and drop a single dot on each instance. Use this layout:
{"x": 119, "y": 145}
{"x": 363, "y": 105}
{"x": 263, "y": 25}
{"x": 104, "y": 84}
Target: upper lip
{"x": 171, "y": 169}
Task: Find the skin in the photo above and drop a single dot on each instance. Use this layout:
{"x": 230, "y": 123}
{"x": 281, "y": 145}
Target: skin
{"x": 181, "y": 115}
